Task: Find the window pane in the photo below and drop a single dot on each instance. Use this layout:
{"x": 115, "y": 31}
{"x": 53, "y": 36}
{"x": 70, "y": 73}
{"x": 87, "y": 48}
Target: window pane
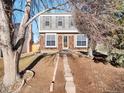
{"x": 59, "y": 23}
{"x": 52, "y": 37}
{"x": 48, "y": 43}
{"x": 52, "y": 43}
{"x": 79, "y": 43}
{"x": 83, "y": 43}
{"x": 65, "y": 41}
{"x": 48, "y": 37}
{"x": 79, "y": 38}
{"x": 71, "y": 23}
{"x": 65, "y": 38}
{"x": 84, "y": 38}
{"x": 47, "y": 23}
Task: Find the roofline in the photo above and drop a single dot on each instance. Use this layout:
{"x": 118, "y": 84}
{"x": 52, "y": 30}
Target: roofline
{"x": 60, "y": 32}
{"x": 56, "y": 14}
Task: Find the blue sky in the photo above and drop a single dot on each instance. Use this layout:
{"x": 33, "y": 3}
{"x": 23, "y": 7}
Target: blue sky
{"x": 37, "y": 6}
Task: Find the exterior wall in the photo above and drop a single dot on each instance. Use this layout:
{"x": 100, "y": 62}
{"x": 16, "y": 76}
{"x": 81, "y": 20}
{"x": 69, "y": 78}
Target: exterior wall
{"x": 53, "y": 21}
{"x": 62, "y": 25}
{"x": 59, "y": 41}
{"x": 71, "y": 43}
{"x": 46, "y": 49}
{"x": 42, "y": 41}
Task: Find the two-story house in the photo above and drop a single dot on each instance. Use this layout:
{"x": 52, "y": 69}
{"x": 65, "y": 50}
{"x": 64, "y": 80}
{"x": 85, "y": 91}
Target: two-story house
{"x": 57, "y": 32}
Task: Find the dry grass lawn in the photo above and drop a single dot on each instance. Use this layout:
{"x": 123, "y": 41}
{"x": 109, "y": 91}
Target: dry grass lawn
{"x": 24, "y": 62}
{"x": 43, "y": 76}
{"x": 1, "y": 68}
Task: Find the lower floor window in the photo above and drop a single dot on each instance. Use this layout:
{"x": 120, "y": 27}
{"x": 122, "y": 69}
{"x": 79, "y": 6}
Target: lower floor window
{"x": 50, "y": 43}
{"x": 50, "y": 40}
{"x": 81, "y": 40}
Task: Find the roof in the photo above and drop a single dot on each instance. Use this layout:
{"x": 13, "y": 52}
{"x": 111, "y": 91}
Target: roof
{"x": 57, "y": 14}
{"x": 59, "y": 31}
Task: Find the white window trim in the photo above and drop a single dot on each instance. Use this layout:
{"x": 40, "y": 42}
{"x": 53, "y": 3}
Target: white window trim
{"x": 56, "y": 40}
{"x": 75, "y": 42}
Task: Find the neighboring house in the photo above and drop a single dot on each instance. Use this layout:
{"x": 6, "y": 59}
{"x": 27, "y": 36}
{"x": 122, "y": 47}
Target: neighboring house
{"x": 57, "y": 32}
{"x": 27, "y": 47}
{"x": 35, "y": 47}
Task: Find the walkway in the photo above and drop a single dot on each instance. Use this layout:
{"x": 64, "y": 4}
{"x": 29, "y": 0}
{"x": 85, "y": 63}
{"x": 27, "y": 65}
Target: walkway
{"x": 69, "y": 86}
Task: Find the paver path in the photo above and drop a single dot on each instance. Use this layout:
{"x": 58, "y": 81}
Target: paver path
{"x": 69, "y": 86}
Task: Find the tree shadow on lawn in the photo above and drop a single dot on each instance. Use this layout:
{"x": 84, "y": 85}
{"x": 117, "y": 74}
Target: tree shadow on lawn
{"x": 35, "y": 61}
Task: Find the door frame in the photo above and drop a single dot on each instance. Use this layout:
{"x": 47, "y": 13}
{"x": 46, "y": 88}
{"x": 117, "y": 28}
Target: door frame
{"x": 63, "y": 42}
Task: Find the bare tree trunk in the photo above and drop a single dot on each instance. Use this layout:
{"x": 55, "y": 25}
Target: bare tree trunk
{"x": 9, "y": 55}
{"x": 10, "y": 64}
{"x": 12, "y": 48}
{"x": 10, "y": 67}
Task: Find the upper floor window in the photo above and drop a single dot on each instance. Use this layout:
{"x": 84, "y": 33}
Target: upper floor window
{"x": 59, "y": 23}
{"x": 47, "y": 23}
{"x": 70, "y": 22}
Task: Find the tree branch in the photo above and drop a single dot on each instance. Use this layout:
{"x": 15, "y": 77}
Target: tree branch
{"x": 42, "y": 12}
{"x": 21, "y": 32}
{"x": 24, "y": 24}
{"x": 38, "y": 14}
{"x": 18, "y": 10}
{"x": 44, "y": 4}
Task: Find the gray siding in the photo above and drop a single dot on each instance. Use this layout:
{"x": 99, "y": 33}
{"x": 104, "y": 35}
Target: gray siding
{"x": 53, "y": 23}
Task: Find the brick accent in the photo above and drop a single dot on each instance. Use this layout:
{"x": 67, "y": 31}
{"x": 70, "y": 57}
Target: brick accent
{"x": 42, "y": 41}
{"x": 71, "y": 42}
{"x": 59, "y": 41}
